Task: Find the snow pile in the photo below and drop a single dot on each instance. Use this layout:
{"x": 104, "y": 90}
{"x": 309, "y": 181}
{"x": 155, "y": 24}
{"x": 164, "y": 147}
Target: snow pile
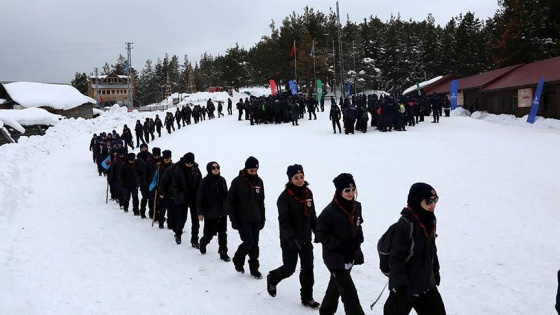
{"x": 30, "y": 116}
{"x": 57, "y": 96}
{"x": 505, "y": 119}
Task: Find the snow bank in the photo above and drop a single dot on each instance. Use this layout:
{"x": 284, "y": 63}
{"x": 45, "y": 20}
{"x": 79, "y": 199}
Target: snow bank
{"x": 57, "y": 96}
{"x": 29, "y": 116}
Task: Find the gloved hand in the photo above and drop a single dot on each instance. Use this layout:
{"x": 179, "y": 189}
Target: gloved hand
{"x": 293, "y": 244}
{"x": 358, "y": 257}
{"x": 234, "y": 225}
{"x": 346, "y": 248}
{"x": 437, "y": 278}
{"x": 262, "y": 225}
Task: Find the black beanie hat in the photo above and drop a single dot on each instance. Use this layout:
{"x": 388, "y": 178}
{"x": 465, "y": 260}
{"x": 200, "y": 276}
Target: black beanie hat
{"x": 188, "y": 158}
{"x": 166, "y": 154}
{"x": 209, "y": 166}
{"x": 343, "y": 181}
{"x": 293, "y": 170}
{"x": 156, "y": 151}
{"x": 131, "y": 156}
{"x": 419, "y": 192}
{"x": 121, "y": 151}
{"x": 143, "y": 145}
{"x": 251, "y": 162}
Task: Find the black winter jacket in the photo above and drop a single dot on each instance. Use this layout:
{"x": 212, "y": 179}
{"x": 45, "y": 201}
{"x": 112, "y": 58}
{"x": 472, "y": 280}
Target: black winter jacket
{"x": 186, "y": 183}
{"x": 341, "y": 238}
{"x": 211, "y": 201}
{"x": 293, "y": 221}
{"x": 246, "y": 199}
{"x": 165, "y": 180}
{"x": 128, "y": 175}
{"x": 418, "y": 274}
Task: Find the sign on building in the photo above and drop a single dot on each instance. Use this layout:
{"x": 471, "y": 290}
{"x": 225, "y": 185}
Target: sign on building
{"x": 524, "y": 97}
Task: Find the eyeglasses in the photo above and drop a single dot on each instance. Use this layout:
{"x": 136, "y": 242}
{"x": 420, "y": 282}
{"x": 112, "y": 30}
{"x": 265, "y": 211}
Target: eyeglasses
{"x": 215, "y": 167}
{"x": 347, "y": 190}
{"x": 429, "y": 201}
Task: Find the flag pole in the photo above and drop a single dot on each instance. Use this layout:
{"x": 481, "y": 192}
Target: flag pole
{"x": 295, "y": 61}
{"x": 334, "y": 68}
{"x": 314, "y": 72}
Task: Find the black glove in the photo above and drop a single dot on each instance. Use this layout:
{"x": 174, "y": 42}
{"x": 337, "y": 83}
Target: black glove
{"x": 293, "y": 244}
{"x": 437, "y": 278}
{"x": 234, "y": 225}
{"x": 358, "y": 257}
{"x": 262, "y": 225}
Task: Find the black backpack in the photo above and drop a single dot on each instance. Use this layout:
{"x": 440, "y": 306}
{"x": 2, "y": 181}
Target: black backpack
{"x": 384, "y": 246}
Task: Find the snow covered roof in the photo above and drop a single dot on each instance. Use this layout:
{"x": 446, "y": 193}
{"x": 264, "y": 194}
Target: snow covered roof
{"x": 16, "y": 118}
{"x": 422, "y": 84}
{"x": 57, "y": 96}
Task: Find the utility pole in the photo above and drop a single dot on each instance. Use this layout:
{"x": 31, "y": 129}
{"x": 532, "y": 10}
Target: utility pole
{"x": 97, "y": 92}
{"x": 129, "y": 98}
{"x": 354, "y": 57}
{"x": 334, "y": 68}
{"x": 340, "y": 55}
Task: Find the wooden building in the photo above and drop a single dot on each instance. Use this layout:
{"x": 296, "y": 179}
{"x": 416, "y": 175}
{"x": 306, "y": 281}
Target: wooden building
{"x": 110, "y": 89}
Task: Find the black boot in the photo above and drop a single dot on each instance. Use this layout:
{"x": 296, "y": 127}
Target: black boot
{"x": 203, "y": 242}
{"x": 272, "y": 279}
{"x": 239, "y": 259}
{"x": 254, "y": 269}
{"x": 178, "y": 239}
{"x": 224, "y": 256}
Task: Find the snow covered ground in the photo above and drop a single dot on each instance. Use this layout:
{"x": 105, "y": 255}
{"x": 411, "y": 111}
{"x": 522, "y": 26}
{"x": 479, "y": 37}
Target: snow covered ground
{"x": 64, "y": 251}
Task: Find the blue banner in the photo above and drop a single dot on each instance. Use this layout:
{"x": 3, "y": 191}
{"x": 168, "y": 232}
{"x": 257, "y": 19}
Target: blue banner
{"x": 293, "y": 87}
{"x": 154, "y": 182}
{"x": 348, "y": 88}
{"x": 107, "y": 162}
{"x": 454, "y": 89}
{"x": 535, "y": 106}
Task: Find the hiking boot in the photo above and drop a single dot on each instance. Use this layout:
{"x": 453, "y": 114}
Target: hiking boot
{"x": 161, "y": 225}
{"x": 224, "y": 257}
{"x": 256, "y": 274}
{"x": 311, "y": 303}
{"x": 195, "y": 245}
{"x": 177, "y": 239}
{"x": 202, "y": 248}
{"x": 238, "y": 265}
{"x": 143, "y": 215}
{"x": 270, "y": 288}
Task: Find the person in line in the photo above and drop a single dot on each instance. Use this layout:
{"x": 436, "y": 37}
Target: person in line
{"x": 413, "y": 282}
{"x": 186, "y": 180}
{"x": 297, "y": 219}
{"x": 211, "y": 204}
{"x": 339, "y": 229}
{"x": 247, "y": 215}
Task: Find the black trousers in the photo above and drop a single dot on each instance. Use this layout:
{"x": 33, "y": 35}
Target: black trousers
{"x": 182, "y": 212}
{"x": 171, "y": 212}
{"x": 249, "y": 234}
{"x": 145, "y": 200}
{"x": 213, "y": 227}
{"x": 127, "y": 193}
{"x": 289, "y": 260}
{"x": 341, "y": 285}
{"x": 334, "y": 124}
{"x": 429, "y": 303}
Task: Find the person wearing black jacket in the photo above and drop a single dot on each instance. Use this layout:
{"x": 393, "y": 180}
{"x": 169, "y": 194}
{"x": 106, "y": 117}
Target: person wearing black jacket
{"x": 139, "y": 130}
{"x": 247, "y": 215}
{"x": 128, "y": 181}
{"x": 413, "y": 282}
{"x": 143, "y": 178}
{"x": 164, "y": 188}
{"x": 339, "y": 229}
{"x": 334, "y": 117}
{"x": 158, "y": 124}
{"x": 186, "y": 180}
{"x": 297, "y": 219}
{"x": 211, "y": 204}
{"x": 151, "y": 168}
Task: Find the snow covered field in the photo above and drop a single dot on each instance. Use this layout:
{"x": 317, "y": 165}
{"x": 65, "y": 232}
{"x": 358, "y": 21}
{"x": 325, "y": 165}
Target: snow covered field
{"x": 64, "y": 251}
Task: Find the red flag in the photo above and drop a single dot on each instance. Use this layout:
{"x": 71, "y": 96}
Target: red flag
{"x": 293, "y": 50}
{"x": 272, "y": 87}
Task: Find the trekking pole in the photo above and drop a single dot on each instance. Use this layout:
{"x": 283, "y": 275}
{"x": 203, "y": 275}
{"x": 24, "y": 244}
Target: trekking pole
{"x": 107, "y": 194}
{"x": 155, "y": 208}
{"x": 376, "y": 300}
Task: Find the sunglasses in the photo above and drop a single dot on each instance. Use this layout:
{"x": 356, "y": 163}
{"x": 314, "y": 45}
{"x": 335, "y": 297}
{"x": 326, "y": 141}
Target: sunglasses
{"x": 347, "y": 190}
{"x": 429, "y": 201}
{"x": 215, "y": 167}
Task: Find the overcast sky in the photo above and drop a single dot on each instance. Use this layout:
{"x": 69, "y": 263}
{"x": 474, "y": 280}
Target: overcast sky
{"x": 49, "y": 41}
